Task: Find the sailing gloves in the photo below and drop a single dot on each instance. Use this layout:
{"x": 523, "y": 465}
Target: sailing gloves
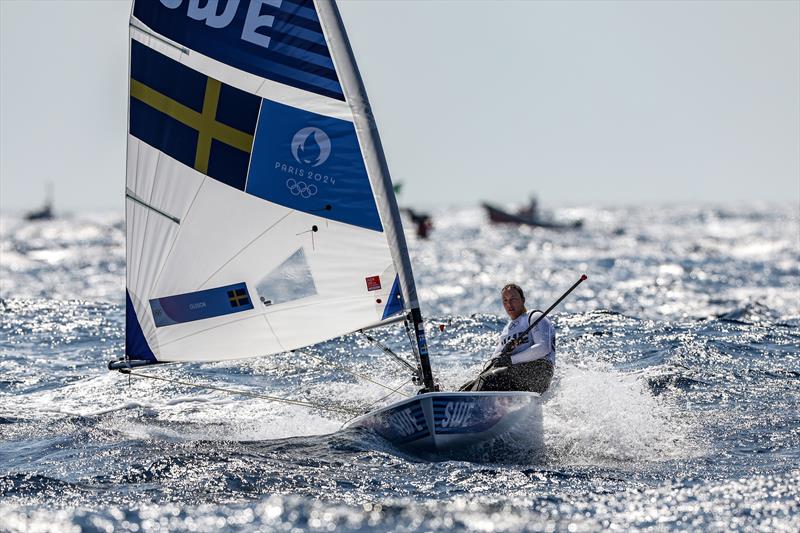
{"x": 502, "y": 360}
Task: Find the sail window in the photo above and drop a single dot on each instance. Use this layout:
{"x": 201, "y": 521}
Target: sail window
{"x": 292, "y": 280}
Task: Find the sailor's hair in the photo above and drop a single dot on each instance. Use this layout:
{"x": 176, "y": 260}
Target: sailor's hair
{"x": 516, "y": 288}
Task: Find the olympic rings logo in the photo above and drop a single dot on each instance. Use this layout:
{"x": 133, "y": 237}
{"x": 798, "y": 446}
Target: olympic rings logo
{"x": 299, "y": 188}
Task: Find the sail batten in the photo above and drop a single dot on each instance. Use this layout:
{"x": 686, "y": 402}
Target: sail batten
{"x": 130, "y": 194}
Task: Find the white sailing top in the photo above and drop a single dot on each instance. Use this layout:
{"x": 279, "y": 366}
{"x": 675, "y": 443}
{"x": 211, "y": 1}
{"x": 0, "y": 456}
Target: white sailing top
{"x": 539, "y": 343}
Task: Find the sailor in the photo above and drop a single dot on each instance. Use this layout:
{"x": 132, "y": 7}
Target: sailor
{"x": 530, "y": 365}
{"x": 530, "y": 213}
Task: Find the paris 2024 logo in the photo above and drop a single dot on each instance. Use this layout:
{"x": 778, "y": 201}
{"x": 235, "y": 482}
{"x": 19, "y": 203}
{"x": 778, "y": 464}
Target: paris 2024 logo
{"x": 311, "y": 147}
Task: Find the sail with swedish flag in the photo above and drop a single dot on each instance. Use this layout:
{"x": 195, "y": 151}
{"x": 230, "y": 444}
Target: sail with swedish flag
{"x": 258, "y": 198}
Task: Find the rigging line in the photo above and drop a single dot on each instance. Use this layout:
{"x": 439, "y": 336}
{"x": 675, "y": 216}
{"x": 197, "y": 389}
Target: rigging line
{"x": 345, "y": 410}
{"x": 393, "y": 391}
{"x": 246, "y": 246}
{"x": 388, "y": 351}
{"x": 381, "y": 399}
{"x": 345, "y": 369}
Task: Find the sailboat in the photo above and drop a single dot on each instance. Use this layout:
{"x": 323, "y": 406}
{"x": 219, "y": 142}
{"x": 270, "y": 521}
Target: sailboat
{"x": 261, "y": 216}
{"x": 46, "y": 211}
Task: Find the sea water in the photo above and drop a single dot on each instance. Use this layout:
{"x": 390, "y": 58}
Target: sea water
{"x": 675, "y": 403}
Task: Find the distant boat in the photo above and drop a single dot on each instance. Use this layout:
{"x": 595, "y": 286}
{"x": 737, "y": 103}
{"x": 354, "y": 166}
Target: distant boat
{"x": 422, "y": 222}
{"x": 46, "y": 211}
{"x": 500, "y": 216}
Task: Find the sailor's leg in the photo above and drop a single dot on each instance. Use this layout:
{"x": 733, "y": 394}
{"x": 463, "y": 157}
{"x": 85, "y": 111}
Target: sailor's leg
{"x": 496, "y": 379}
{"x": 534, "y": 376}
{"x": 469, "y": 385}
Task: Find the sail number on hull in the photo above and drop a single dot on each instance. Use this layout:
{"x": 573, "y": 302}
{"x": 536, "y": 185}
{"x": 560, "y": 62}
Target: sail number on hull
{"x": 457, "y": 414}
{"x": 405, "y": 422}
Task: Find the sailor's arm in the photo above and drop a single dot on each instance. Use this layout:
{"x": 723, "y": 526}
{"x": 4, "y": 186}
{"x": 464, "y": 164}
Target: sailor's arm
{"x": 541, "y": 347}
{"x": 501, "y": 342}
{"x": 498, "y": 349}
{"x": 498, "y": 358}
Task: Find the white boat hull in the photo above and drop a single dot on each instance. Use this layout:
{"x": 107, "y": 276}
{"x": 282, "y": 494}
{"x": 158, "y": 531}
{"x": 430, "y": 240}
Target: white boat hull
{"x": 461, "y": 425}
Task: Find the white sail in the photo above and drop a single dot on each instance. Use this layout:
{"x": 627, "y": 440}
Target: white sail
{"x": 252, "y": 220}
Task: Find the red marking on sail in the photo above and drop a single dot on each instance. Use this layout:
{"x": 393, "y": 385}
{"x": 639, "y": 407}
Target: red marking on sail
{"x": 374, "y": 283}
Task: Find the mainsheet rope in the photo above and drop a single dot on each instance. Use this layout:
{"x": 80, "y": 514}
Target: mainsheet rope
{"x": 355, "y": 374}
{"x": 389, "y": 352}
{"x": 345, "y": 410}
{"x": 340, "y": 409}
{"x": 393, "y": 391}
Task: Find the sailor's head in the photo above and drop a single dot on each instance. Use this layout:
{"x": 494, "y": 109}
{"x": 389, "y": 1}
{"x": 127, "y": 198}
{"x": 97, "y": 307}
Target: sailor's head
{"x": 513, "y": 300}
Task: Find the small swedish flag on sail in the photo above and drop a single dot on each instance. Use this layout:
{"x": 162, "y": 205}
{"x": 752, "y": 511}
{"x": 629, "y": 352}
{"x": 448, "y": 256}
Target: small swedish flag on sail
{"x": 238, "y": 297}
{"x": 191, "y": 117}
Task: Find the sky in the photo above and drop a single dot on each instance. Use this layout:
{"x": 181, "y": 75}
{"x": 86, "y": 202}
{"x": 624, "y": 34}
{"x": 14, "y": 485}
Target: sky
{"x": 581, "y": 103}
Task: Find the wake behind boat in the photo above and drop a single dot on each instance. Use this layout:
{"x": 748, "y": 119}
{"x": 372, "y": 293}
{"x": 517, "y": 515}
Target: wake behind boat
{"x": 261, "y": 217}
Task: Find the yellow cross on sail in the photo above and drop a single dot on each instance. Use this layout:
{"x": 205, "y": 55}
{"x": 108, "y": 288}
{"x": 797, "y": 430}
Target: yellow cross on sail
{"x": 201, "y": 121}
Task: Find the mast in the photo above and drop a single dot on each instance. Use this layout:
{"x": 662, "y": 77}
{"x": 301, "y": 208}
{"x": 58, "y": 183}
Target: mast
{"x": 378, "y": 171}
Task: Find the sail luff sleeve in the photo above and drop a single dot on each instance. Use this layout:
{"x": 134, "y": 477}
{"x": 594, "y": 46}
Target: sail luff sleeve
{"x": 136, "y": 346}
{"x": 377, "y": 169}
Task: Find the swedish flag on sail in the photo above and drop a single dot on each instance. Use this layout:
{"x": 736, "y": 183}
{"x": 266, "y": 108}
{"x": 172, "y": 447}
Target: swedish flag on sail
{"x": 191, "y": 117}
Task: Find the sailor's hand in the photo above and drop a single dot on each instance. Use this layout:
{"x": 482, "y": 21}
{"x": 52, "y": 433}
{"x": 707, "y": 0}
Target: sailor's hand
{"x": 501, "y": 361}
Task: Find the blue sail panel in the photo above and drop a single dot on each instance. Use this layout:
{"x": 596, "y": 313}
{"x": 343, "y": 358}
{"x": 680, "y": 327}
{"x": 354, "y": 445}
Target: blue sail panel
{"x": 311, "y": 163}
{"x": 136, "y": 346}
{"x": 278, "y": 40}
{"x": 394, "y": 304}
